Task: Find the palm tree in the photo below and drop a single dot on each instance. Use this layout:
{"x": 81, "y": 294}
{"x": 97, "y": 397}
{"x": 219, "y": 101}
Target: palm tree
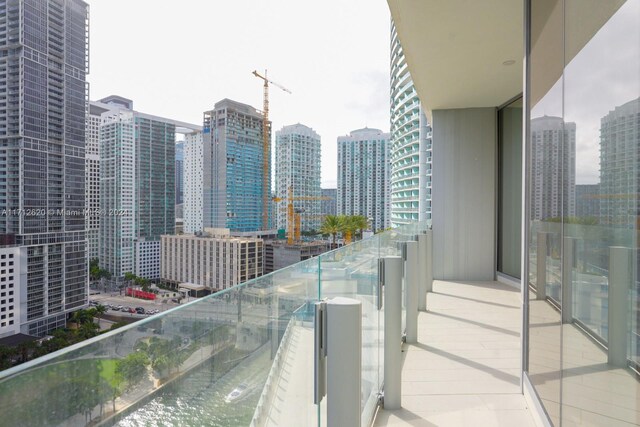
{"x": 348, "y": 227}
{"x": 331, "y": 225}
{"x": 361, "y": 222}
{"x": 100, "y": 310}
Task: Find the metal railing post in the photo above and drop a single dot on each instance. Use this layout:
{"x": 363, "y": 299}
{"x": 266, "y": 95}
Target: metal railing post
{"x": 411, "y": 289}
{"x": 392, "y": 272}
{"x": 620, "y": 279}
{"x": 339, "y": 338}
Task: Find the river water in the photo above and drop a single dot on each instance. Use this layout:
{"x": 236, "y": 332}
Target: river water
{"x": 198, "y": 399}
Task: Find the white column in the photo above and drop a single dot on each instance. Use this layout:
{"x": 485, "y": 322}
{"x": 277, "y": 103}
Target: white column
{"x": 344, "y": 361}
{"x": 411, "y": 290}
{"x": 392, "y": 332}
{"x": 541, "y": 266}
{"x": 620, "y": 279}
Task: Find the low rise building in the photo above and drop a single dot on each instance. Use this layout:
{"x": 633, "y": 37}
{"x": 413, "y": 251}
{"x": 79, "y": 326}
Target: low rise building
{"x": 278, "y": 254}
{"x": 13, "y": 290}
{"x": 212, "y": 258}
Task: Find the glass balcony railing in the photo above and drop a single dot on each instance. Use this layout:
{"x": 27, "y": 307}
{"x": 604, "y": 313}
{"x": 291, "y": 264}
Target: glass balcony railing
{"x": 585, "y": 277}
{"x": 243, "y": 356}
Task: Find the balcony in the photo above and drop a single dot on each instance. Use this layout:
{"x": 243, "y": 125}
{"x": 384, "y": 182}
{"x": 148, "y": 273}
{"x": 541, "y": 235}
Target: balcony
{"x": 245, "y": 356}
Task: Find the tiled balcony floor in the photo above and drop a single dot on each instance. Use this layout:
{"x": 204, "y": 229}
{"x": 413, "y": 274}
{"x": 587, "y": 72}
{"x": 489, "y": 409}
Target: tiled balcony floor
{"x": 465, "y": 368}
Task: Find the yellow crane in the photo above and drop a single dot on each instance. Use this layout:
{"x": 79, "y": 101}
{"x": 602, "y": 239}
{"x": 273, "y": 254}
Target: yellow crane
{"x": 293, "y": 215}
{"x": 266, "y": 146}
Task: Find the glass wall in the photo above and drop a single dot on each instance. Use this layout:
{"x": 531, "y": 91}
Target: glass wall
{"x": 510, "y": 191}
{"x": 584, "y": 157}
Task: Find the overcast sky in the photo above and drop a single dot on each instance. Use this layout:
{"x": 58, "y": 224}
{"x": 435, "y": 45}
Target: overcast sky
{"x": 602, "y": 76}
{"x": 176, "y": 59}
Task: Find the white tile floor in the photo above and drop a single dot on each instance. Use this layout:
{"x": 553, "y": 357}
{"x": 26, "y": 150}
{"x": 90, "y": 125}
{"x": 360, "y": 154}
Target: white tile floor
{"x": 465, "y": 368}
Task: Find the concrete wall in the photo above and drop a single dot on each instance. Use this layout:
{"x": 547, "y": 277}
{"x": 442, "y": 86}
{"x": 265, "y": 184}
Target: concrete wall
{"x": 464, "y": 194}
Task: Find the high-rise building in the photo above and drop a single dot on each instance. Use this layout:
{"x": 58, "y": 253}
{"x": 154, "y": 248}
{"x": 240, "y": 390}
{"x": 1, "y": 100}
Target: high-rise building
{"x": 553, "y": 168}
{"x": 410, "y": 145}
{"x": 212, "y": 258}
{"x": 92, "y": 177}
{"x": 588, "y": 201}
{"x": 179, "y": 173}
{"x": 329, "y": 204}
{"x": 619, "y": 146}
{"x": 137, "y": 188}
{"x": 193, "y": 182}
{"x": 298, "y": 171}
{"x": 363, "y": 176}
{"x": 43, "y": 83}
{"x": 234, "y": 175}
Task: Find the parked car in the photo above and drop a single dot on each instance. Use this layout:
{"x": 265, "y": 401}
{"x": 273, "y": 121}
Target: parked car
{"x": 140, "y": 310}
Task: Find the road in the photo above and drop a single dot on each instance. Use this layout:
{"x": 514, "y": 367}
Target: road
{"x": 115, "y": 299}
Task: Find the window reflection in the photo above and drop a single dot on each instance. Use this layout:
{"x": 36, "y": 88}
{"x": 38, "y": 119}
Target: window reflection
{"x": 585, "y": 212}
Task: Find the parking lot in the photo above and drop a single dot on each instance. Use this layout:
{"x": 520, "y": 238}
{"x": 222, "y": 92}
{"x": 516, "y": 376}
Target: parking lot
{"x": 110, "y": 300}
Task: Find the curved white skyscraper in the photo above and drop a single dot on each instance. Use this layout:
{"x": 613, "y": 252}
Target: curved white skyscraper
{"x": 410, "y": 145}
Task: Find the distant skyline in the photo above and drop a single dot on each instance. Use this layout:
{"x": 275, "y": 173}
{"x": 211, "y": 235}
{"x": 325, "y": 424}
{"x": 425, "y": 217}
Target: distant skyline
{"x": 176, "y": 60}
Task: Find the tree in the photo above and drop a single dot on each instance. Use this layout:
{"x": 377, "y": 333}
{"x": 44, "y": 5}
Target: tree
{"x": 6, "y": 356}
{"x": 331, "y": 225}
{"x": 348, "y": 227}
{"x": 361, "y": 223}
{"x": 100, "y": 310}
{"x": 81, "y": 317}
{"x": 97, "y": 273}
{"x": 132, "y": 369}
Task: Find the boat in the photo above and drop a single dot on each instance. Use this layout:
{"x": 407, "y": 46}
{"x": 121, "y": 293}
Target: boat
{"x": 237, "y": 393}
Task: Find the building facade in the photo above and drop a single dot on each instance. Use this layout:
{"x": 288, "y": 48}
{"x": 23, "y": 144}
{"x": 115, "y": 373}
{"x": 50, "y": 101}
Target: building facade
{"x": 42, "y": 131}
{"x": 234, "y": 173}
{"x": 179, "y": 173}
{"x": 193, "y": 183}
{"x": 278, "y": 254}
{"x": 137, "y": 189}
{"x": 363, "y": 176}
{"x": 553, "y": 165}
{"x": 512, "y": 139}
{"x": 92, "y": 178}
{"x": 298, "y": 172}
{"x": 329, "y": 205}
{"x": 212, "y": 258}
{"x": 410, "y": 145}
{"x": 619, "y": 147}
{"x": 13, "y": 289}
{"x": 588, "y": 201}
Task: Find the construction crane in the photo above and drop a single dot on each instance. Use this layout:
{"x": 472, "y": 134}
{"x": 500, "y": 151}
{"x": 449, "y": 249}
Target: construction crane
{"x": 266, "y": 146}
{"x": 293, "y": 215}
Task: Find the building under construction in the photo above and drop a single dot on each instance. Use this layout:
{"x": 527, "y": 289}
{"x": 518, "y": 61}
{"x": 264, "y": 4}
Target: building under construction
{"x": 234, "y": 173}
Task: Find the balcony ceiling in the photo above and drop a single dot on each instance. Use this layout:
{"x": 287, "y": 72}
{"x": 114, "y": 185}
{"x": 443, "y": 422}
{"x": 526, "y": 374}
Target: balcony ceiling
{"x": 456, "y": 50}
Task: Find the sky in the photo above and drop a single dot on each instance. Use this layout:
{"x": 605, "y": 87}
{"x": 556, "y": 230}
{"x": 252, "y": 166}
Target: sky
{"x": 177, "y": 59}
{"x": 602, "y": 76}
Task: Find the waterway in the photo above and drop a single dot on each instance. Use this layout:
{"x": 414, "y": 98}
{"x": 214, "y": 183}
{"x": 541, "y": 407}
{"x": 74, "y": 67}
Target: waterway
{"x": 198, "y": 398}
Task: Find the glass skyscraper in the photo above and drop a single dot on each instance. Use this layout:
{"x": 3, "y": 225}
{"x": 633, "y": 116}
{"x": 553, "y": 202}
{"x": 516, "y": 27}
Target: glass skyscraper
{"x": 137, "y": 188}
{"x": 44, "y": 45}
{"x": 179, "y": 173}
{"x": 233, "y": 167}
